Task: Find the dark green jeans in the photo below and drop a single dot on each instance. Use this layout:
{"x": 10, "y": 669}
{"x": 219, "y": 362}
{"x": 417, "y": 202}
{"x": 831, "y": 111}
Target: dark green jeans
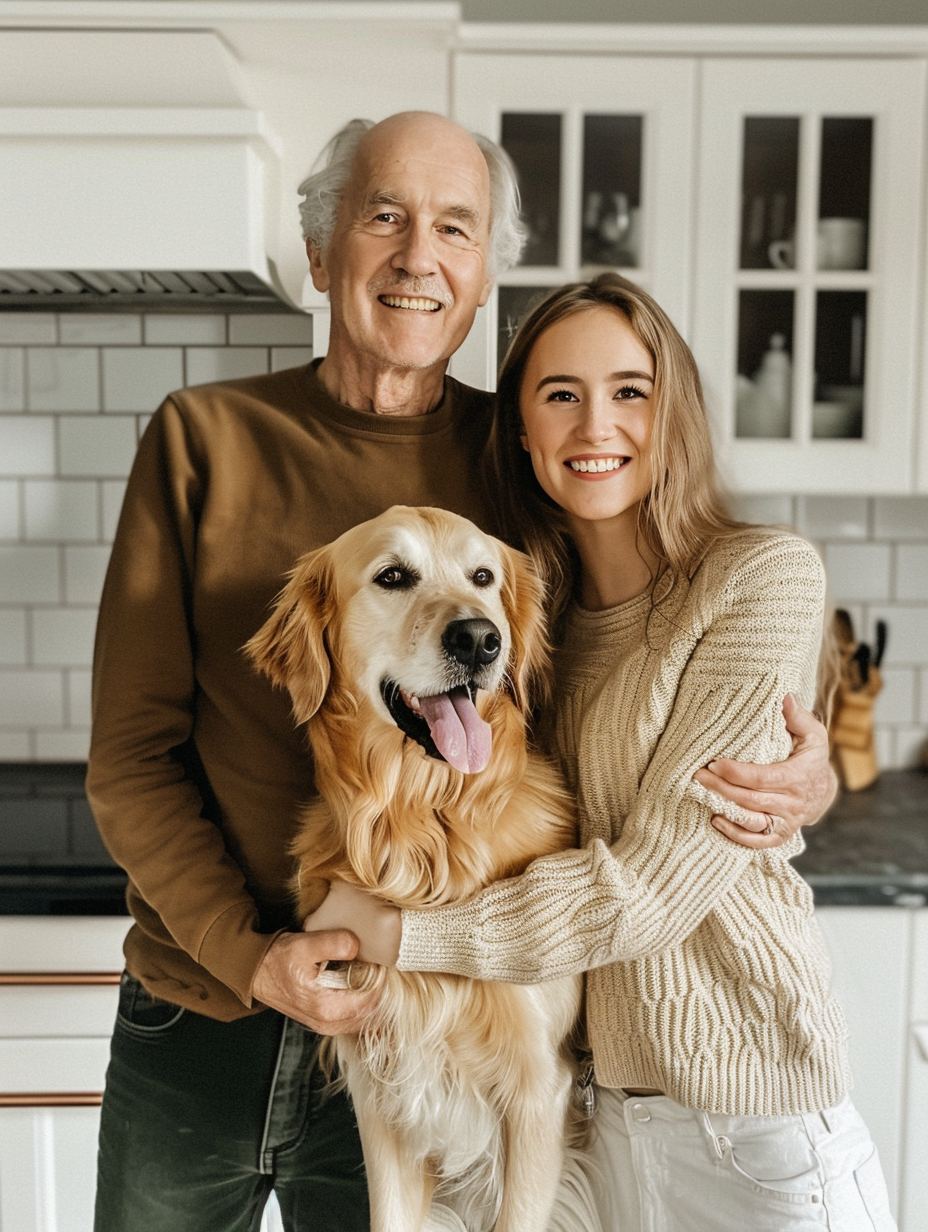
{"x": 202, "y": 1119}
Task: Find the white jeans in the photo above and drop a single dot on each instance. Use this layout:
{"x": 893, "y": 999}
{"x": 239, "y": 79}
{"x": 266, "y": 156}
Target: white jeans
{"x": 665, "y": 1168}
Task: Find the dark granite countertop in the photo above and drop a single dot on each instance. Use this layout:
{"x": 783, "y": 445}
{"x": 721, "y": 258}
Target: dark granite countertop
{"x": 871, "y": 849}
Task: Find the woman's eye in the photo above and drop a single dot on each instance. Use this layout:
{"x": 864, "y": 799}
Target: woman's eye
{"x": 562, "y": 395}
{"x": 482, "y": 577}
{"x": 629, "y": 392}
{"x": 395, "y": 578}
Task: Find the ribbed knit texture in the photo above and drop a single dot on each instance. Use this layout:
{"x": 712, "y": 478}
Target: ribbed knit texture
{"x": 711, "y": 980}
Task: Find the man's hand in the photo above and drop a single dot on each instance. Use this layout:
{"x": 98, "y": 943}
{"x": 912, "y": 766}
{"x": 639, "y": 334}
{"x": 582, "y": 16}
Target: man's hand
{"x": 783, "y": 796}
{"x": 287, "y": 978}
{"x": 377, "y": 925}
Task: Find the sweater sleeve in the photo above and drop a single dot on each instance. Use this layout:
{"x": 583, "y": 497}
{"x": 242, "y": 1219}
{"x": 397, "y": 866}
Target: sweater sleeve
{"x": 668, "y": 867}
{"x": 142, "y": 783}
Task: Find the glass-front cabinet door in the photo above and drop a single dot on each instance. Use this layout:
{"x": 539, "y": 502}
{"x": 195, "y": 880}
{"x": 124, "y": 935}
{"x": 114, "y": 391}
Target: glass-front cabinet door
{"x": 603, "y": 147}
{"x": 810, "y": 181}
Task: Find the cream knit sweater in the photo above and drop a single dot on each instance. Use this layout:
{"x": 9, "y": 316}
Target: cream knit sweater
{"x": 708, "y": 976}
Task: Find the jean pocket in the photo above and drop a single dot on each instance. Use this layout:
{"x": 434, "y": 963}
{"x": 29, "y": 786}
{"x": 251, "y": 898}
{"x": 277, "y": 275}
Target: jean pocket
{"x": 141, "y": 1013}
{"x": 774, "y": 1161}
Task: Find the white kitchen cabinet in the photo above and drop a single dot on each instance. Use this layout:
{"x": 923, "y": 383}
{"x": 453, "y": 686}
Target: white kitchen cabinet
{"x": 604, "y": 150}
{"x": 914, "y": 1103}
{"x": 806, "y": 292}
{"x": 871, "y": 949}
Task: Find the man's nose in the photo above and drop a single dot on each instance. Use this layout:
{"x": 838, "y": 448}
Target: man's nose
{"x": 415, "y": 253}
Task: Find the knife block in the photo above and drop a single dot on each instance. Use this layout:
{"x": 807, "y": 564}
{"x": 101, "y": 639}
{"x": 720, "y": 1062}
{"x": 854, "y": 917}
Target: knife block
{"x": 853, "y": 749}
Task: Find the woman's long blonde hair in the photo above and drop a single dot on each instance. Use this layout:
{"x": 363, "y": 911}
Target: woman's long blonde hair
{"x": 683, "y": 514}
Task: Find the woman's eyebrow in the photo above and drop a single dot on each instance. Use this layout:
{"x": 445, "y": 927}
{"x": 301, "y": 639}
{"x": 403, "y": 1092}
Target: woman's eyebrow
{"x": 630, "y": 375}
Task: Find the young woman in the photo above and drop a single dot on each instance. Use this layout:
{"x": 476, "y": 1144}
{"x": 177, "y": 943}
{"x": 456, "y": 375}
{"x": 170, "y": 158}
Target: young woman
{"x": 719, "y": 1051}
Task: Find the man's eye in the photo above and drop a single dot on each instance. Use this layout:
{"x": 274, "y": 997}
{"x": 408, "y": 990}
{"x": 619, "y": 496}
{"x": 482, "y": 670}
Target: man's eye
{"x": 396, "y": 578}
{"x": 482, "y": 577}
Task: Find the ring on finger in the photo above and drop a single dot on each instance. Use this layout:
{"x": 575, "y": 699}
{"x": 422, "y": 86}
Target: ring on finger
{"x": 768, "y": 828}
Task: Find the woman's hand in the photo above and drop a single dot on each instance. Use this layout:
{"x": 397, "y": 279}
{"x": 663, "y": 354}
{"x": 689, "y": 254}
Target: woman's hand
{"x": 783, "y": 796}
{"x": 377, "y": 925}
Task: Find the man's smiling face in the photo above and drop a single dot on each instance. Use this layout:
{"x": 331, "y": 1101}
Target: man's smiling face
{"x": 406, "y": 268}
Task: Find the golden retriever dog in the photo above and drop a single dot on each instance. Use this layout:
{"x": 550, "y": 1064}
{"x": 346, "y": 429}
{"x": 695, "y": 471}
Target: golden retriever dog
{"x": 409, "y": 647}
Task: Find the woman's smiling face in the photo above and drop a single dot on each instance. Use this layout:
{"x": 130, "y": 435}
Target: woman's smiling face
{"x": 587, "y": 405}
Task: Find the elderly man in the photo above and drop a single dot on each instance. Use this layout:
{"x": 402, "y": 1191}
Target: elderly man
{"x": 197, "y": 772}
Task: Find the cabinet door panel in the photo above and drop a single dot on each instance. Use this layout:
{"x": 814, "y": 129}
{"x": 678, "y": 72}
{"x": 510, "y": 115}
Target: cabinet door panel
{"x": 604, "y": 148}
{"x": 48, "y": 1167}
{"x": 870, "y": 949}
{"x": 810, "y": 183}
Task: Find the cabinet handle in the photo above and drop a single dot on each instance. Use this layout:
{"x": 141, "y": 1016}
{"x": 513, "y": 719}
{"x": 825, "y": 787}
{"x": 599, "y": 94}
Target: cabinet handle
{"x": 46, "y": 1099}
{"x": 920, "y": 1031}
{"x": 58, "y": 977}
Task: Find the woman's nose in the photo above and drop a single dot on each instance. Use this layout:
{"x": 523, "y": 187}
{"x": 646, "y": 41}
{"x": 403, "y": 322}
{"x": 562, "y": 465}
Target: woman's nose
{"x": 597, "y": 424}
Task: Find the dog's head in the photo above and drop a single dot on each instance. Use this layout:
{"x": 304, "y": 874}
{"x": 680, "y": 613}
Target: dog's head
{"x": 415, "y": 612}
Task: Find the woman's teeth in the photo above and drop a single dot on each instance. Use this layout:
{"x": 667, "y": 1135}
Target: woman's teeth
{"x": 596, "y": 464}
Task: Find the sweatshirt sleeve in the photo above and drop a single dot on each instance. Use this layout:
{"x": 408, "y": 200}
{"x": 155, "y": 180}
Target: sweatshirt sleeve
{"x": 669, "y": 867}
{"x": 141, "y": 781}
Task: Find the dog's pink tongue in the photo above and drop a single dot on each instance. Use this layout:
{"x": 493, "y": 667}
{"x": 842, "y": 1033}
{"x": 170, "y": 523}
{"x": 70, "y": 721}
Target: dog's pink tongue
{"x": 460, "y": 735}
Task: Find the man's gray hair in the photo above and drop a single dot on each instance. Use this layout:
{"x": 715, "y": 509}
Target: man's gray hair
{"x": 323, "y": 187}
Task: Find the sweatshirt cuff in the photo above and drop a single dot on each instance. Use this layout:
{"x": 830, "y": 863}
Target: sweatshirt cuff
{"x": 232, "y": 949}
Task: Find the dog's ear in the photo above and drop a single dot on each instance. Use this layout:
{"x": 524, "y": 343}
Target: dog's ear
{"x": 290, "y": 646}
{"x": 523, "y": 600}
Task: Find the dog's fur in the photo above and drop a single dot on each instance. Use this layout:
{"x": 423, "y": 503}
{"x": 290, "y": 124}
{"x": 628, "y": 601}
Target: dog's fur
{"x": 461, "y": 1087}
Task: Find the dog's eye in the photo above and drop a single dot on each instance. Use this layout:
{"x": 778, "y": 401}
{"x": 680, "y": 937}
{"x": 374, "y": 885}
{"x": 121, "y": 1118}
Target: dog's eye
{"x": 482, "y": 577}
{"x": 396, "y": 578}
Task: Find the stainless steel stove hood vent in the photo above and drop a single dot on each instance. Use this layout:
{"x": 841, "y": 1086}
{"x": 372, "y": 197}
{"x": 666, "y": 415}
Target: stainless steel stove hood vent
{"x": 133, "y": 174}
{"x": 170, "y": 290}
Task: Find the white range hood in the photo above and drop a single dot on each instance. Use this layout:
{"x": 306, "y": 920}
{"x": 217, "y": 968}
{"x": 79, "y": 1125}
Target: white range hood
{"x": 133, "y": 173}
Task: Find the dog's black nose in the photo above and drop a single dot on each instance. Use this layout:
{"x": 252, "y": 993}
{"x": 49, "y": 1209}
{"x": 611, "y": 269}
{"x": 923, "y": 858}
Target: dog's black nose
{"x": 473, "y": 643}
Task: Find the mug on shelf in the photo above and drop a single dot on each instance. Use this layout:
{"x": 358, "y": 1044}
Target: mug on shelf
{"x": 840, "y": 243}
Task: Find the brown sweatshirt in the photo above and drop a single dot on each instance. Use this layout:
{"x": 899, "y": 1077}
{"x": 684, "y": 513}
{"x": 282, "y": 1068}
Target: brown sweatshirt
{"x": 196, "y": 768}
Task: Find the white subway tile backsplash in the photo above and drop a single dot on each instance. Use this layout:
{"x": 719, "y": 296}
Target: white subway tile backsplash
{"x": 28, "y": 328}
{"x": 29, "y": 574}
{"x": 77, "y": 696}
{"x": 100, "y": 328}
{"x": 97, "y": 445}
{"x": 9, "y": 509}
{"x": 30, "y": 698}
{"x": 13, "y": 647}
{"x": 912, "y": 571}
{"x": 62, "y": 745}
{"x": 205, "y": 364}
{"x": 15, "y": 745}
{"x": 907, "y": 637}
{"x": 113, "y": 491}
{"x": 61, "y": 509}
{"x": 833, "y": 517}
{"x": 896, "y": 702}
{"x": 185, "y": 329}
{"x": 271, "y": 329}
{"x": 858, "y": 571}
{"x": 911, "y": 747}
{"x": 63, "y": 379}
{"x": 289, "y": 357}
{"x": 63, "y": 637}
{"x": 12, "y": 379}
{"x": 84, "y": 571}
{"x": 901, "y": 517}
{"x": 138, "y": 378}
{"x": 764, "y": 510}
{"x": 27, "y": 445}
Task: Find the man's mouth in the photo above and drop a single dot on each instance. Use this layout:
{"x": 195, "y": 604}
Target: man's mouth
{"x": 596, "y": 466}
{"x": 412, "y": 303}
{"x": 446, "y": 725}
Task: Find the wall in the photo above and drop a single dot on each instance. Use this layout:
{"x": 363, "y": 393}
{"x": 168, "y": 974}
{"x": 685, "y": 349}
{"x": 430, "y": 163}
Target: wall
{"x": 76, "y": 391}
{"x": 707, "y": 12}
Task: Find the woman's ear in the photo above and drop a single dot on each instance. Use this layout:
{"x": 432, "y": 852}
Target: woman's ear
{"x": 290, "y": 647}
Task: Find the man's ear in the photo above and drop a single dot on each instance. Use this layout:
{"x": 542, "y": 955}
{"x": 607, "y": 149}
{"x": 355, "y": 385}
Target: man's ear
{"x": 317, "y": 267}
{"x": 485, "y": 293}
